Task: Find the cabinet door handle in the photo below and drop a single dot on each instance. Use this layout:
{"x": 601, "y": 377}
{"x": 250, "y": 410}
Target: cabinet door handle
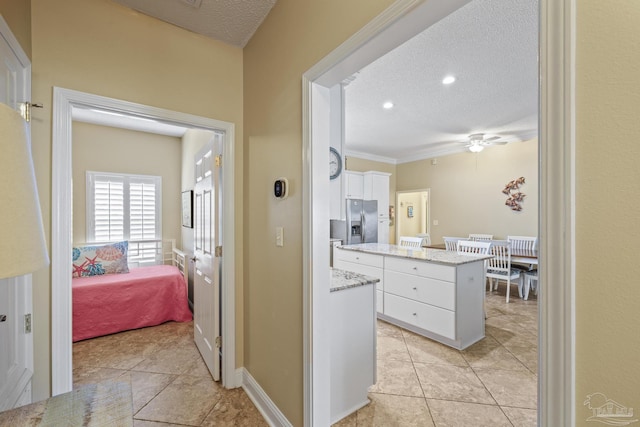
{"x": 415, "y": 288}
{"x": 3, "y": 318}
{"x": 415, "y": 314}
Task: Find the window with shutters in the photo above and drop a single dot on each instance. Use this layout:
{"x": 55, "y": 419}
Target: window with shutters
{"x": 124, "y": 207}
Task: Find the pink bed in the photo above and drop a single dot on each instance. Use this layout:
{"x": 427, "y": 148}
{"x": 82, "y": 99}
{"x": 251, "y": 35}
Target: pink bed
{"x": 111, "y": 303}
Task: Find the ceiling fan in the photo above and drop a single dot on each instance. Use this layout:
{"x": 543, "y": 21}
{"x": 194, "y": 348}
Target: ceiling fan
{"x": 478, "y": 141}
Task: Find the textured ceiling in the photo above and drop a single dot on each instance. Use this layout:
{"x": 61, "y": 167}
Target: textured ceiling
{"x": 230, "y": 21}
{"x": 490, "y": 46}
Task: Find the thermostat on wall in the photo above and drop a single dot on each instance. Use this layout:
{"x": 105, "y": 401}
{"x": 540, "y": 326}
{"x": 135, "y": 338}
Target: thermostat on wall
{"x": 281, "y": 188}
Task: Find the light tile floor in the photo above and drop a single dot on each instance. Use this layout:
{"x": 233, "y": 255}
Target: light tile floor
{"x": 420, "y": 382}
{"x": 492, "y": 383}
{"x": 170, "y": 383}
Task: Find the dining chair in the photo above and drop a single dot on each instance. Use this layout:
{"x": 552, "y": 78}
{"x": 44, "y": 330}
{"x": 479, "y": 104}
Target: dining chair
{"x": 410, "y": 242}
{"x": 451, "y": 243}
{"x": 529, "y": 278}
{"x": 426, "y": 238}
{"x": 480, "y": 236}
{"x": 523, "y": 243}
{"x": 470, "y": 247}
{"x": 499, "y": 267}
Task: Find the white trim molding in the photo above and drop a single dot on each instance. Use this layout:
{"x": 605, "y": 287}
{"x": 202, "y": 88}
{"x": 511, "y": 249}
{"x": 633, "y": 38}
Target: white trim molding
{"x": 64, "y": 102}
{"x": 556, "y": 375}
{"x": 260, "y": 398}
{"x": 401, "y": 21}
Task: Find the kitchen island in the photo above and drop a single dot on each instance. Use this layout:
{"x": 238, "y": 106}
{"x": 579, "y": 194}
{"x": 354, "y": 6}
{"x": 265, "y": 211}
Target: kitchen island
{"x": 353, "y": 341}
{"x": 437, "y": 294}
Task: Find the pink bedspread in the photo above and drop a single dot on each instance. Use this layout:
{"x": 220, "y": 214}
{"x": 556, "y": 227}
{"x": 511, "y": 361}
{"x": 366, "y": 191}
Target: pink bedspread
{"x": 111, "y": 303}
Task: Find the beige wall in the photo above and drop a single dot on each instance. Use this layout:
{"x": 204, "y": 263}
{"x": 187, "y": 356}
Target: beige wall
{"x": 607, "y": 227}
{"x": 17, "y": 14}
{"x": 363, "y": 165}
{"x": 107, "y": 149}
{"x": 100, "y": 47}
{"x": 294, "y": 36}
{"x": 466, "y": 190}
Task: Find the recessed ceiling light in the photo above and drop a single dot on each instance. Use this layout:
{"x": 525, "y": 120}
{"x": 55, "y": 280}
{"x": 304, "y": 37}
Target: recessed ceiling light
{"x": 448, "y": 80}
{"x": 387, "y": 105}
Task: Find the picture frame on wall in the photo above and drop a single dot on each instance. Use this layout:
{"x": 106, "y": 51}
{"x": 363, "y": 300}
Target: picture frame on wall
{"x": 410, "y": 211}
{"x": 187, "y": 208}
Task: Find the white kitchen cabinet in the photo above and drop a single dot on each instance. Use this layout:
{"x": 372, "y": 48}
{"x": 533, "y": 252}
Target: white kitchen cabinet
{"x": 376, "y": 187}
{"x": 434, "y": 293}
{"x": 354, "y": 185}
{"x": 353, "y": 349}
{"x": 441, "y": 302}
{"x": 362, "y": 263}
{"x": 383, "y": 230}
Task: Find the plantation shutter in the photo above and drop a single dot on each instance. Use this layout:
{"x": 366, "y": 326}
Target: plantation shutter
{"x": 124, "y": 207}
{"x": 109, "y": 210}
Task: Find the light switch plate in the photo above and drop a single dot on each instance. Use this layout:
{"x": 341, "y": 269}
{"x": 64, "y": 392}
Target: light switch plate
{"x": 279, "y": 236}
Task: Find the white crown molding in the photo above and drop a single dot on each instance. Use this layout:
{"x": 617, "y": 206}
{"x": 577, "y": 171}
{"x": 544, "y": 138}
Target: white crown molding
{"x": 372, "y": 157}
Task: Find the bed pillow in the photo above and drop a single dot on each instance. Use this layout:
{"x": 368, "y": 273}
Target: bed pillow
{"x": 98, "y": 260}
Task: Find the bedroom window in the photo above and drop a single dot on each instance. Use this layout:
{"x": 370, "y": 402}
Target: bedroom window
{"x": 123, "y": 207}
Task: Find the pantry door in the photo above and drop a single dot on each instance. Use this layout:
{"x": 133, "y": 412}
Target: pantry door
{"x": 208, "y": 254}
{"x": 16, "y": 339}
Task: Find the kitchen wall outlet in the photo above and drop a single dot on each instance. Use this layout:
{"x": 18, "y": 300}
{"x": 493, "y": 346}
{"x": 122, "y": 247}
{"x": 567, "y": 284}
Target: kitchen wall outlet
{"x": 435, "y": 222}
{"x": 279, "y": 236}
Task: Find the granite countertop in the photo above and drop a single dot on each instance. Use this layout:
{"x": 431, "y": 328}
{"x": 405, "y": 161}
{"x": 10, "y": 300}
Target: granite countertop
{"x": 342, "y": 279}
{"x": 439, "y": 256}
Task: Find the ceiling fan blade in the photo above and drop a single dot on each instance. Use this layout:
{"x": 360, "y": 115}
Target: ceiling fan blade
{"x": 493, "y": 138}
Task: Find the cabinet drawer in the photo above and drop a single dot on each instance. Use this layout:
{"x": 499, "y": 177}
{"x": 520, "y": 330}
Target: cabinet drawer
{"x": 361, "y": 269}
{"x": 425, "y": 316}
{"x": 360, "y": 257}
{"x": 422, "y": 289}
{"x": 419, "y": 268}
{"x": 379, "y": 301}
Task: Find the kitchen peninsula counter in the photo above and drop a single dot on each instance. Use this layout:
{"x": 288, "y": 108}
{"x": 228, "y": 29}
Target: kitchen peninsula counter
{"x": 435, "y": 293}
{"x": 438, "y": 256}
{"x": 352, "y": 322}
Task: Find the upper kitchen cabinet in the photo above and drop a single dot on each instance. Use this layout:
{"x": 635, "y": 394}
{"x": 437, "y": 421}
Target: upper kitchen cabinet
{"x": 354, "y": 185}
{"x": 376, "y": 187}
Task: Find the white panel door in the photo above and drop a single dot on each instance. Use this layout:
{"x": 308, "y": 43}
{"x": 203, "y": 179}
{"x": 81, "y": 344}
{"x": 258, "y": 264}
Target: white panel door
{"x": 206, "y": 282}
{"x": 16, "y": 342}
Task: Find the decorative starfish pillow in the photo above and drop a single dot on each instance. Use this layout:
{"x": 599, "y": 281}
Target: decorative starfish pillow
{"x": 102, "y": 259}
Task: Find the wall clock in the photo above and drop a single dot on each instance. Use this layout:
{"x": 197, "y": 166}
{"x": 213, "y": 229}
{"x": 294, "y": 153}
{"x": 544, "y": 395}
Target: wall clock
{"x": 335, "y": 163}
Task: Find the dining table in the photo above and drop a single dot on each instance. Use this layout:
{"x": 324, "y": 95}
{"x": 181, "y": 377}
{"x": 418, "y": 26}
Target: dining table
{"x": 521, "y": 256}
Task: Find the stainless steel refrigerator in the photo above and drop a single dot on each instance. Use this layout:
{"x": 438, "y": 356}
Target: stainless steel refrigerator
{"x": 362, "y": 221}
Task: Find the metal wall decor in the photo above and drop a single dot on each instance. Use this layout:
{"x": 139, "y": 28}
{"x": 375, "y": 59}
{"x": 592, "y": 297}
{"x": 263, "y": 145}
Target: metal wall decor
{"x": 512, "y": 189}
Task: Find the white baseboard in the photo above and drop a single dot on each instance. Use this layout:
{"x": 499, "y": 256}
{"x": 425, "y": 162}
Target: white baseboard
{"x": 265, "y": 405}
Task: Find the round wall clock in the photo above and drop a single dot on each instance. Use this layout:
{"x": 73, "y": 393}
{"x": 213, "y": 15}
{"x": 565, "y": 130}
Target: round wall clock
{"x": 335, "y": 163}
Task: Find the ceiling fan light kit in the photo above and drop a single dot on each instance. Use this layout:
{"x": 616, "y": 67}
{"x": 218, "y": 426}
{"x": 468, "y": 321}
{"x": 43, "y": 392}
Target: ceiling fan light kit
{"x": 477, "y": 142}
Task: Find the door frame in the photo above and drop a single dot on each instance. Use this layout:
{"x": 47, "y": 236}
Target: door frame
{"x": 64, "y": 102}
{"x": 402, "y": 20}
{"x": 398, "y": 212}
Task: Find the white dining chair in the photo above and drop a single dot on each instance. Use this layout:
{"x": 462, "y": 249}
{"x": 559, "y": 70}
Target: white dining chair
{"x": 451, "y": 243}
{"x": 530, "y": 283}
{"x": 523, "y": 243}
{"x": 470, "y": 247}
{"x": 499, "y": 267}
{"x": 480, "y": 237}
{"x": 410, "y": 242}
{"x": 426, "y": 238}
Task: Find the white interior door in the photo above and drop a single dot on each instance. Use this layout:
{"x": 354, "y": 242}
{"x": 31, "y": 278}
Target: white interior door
{"x": 16, "y": 339}
{"x": 208, "y": 254}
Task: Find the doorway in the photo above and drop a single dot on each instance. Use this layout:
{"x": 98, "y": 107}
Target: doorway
{"x": 394, "y": 26}
{"x": 412, "y": 213}
{"x": 66, "y": 105}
